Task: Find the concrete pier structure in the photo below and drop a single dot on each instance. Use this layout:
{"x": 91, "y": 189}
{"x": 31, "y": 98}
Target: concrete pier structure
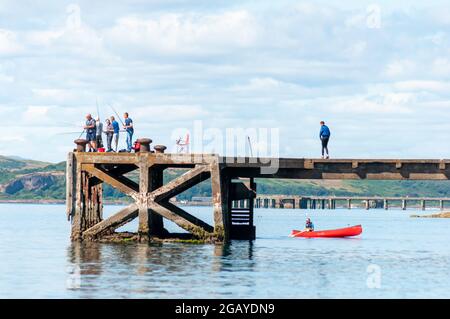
{"x": 232, "y": 180}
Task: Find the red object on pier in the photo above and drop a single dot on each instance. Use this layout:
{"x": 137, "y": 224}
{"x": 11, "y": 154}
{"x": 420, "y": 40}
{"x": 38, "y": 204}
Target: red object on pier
{"x": 136, "y": 147}
{"x": 101, "y": 150}
{"x": 335, "y": 233}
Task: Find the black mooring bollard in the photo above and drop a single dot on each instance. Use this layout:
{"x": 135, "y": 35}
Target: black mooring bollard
{"x": 81, "y": 144}
{"x": 160, "y": 148}
{"x": 145, "y": 144}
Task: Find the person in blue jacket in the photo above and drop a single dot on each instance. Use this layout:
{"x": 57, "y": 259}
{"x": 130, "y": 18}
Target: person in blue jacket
{"x": 128, "y": 127}
{"x": 325, "y": 138}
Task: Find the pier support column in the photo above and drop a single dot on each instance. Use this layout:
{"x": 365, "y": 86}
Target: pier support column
{"x": 441, "y": 204}
{"x": 220, "y": 186}
{"x": 240, "y": 220}
{"x": 367, "y": 204}
{"x": 403, "y": 204}
{"x": 386, "y": 204}
{"x": 278, "y": 203}
{"x": 349, "y": 203}
{"x": 89, "y": 203}
{"x": 150, "y": 223}
{"x": 150, "y": 179}
{"x": 144, "y": 188}
{"x": 422, "y": 205}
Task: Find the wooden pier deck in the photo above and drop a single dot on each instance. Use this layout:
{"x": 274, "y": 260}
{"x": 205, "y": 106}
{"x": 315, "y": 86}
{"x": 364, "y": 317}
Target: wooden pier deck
{"x": 232, "y": 179}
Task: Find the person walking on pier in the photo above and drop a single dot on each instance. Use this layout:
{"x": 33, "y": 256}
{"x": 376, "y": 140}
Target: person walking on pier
{"x": 128, "y": 126}
{"x": 116, "y": 128}
{"x": 90, "y": 129}
{"x": 325, "y": 138}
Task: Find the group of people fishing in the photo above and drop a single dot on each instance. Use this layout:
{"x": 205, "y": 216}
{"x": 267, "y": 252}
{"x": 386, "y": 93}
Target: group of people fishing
{"x": 94, "y": 135}
{"x": 95, "y": 129}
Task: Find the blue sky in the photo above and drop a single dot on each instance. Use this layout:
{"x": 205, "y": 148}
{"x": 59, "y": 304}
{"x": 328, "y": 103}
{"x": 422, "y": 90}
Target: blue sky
{"x": 377, "y": 72}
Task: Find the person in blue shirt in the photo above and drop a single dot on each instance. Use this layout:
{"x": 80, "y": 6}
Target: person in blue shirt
{"x": 128, "y": 127}
{"x": 116, "y": 129}
{"x": 325, "y": 138}
{"x": 309, "y": 226}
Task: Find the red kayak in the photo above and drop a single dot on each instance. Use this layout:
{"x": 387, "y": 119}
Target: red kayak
{"x": 335, "y": 233}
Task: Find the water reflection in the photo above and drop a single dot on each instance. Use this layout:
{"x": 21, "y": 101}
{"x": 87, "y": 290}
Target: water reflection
{"x": 227, "y": 254}
{"x": 158, "y": 268}
{"x": 85, "y": 256}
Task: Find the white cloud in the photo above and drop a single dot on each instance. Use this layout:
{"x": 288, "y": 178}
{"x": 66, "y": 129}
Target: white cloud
{"x": 400, "y": 68}
{"x": 57, "y": 95}
{"x": 8, "y": 42}
{"x": 431, "y": 86}
{"x": 389, "y": 103}
{"x": 185, "y": 33}
{"x": 441, "y": 67}
{"x": 284, "y": 64}
{"x": 357, "y": 49}
{"x": 35, "y": 114}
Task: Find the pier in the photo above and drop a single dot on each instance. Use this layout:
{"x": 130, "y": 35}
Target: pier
{"x": 333, "y": 202}
{"x": 232, "y": 181}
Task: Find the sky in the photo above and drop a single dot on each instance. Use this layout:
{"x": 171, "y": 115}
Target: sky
{"x": 378, "y": 72}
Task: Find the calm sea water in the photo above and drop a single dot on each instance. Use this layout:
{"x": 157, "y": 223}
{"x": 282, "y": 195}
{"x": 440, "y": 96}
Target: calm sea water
{"x": 396, "y": 257}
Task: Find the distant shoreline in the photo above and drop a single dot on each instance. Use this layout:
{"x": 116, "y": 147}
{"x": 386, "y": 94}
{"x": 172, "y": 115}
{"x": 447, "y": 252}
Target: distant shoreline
{"x": 106, "y": 202}
{"x": 51, "y": 201}
{"x": 32, "y": 201}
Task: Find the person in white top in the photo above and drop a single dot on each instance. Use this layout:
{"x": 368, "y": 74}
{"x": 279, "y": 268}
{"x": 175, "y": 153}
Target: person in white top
{"x": 99, "y": 131}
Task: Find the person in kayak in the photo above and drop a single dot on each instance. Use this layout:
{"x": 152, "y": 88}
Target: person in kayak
{"x": 325, "y": 138}
{"x": 309, "y": 226}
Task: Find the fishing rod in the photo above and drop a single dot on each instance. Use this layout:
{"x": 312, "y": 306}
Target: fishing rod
{"x": 98, "y": 110}
{"x": 250, "y": 145}
{"x": 81, "y": 133}
{"x": 118, "y": 116}
{"x": 72, "y": 133}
